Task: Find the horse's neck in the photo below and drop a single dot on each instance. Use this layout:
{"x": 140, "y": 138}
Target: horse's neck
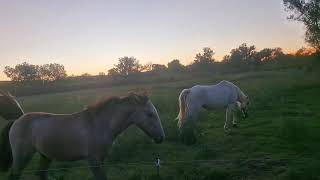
{"x": 241, "y": 95}
{"x": 111, "y": 123}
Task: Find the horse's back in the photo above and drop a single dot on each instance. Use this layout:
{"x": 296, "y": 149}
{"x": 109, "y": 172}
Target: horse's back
{"x": 55, "y": 135}
{"x": 28, "y": 120}
{"x": 217, "y": 95}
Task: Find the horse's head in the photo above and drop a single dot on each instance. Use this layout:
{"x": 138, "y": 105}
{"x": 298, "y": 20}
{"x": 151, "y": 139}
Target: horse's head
{"x": 244, "y": 106}
{"x": 146, "y": 118}
{"x": 9, "y": 107}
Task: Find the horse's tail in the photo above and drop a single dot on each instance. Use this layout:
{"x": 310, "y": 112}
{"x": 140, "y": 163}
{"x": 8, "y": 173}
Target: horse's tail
{"x": 183, "y": 105}
{"x": 5, "y": 148}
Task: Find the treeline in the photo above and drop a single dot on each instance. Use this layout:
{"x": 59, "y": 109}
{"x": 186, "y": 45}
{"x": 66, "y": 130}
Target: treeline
{"x": 239, "y": 59}
{"x": 29, "y": 72}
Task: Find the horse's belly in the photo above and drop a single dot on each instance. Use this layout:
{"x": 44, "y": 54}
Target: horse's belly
{"x": 63, "y": 150}
{"x": 215, "y": 103}
{"x": 67, "y": 156}
{"x": 59, "y": 145}
{"x": 218, "y": 98}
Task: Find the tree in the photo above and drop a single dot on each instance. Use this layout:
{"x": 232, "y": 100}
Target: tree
{"x": 268, "y": 54}
{"x": 308, "y": 12}
{"x": 305, "y": 51}
{"x": 127, "y": 65}
{"x": 175, "y": 66}
{"x": 158, "y": 68}
{"x": 52, "y": 72}
{"x": 86, "y": 75}
{"x": 22, "y": 72}
{"x": 203, "y": 61}
{"x": 11, "y": 73}
{"x": 101, "y": 74}
{"x": 145, "y": 68}
{"x": 242, "y": 55}
{"x": 206, "y": 57}
{"x": 113, "y": 72}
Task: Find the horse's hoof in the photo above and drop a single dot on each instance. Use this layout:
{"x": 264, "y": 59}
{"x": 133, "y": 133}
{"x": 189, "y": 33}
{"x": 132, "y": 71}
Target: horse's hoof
{"x": 235, "y": 125}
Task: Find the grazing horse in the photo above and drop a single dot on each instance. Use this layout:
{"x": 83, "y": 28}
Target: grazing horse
{"x": 85, "y": 135}
{"x": 222, "y": 95}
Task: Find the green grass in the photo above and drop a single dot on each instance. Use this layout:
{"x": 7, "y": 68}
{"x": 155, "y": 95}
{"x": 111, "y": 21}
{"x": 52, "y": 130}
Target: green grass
{"x": 279, "y": 140}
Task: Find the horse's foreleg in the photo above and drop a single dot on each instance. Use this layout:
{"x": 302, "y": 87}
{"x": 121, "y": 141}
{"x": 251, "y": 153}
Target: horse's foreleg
{"x": 44, "y": 165}
{"x": 234, "y": 119}
{"x": 228, "y": 118}
{"x": 96, "y": 169}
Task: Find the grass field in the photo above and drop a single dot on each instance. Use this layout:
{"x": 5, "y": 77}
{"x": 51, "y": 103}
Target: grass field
{"x": 279, "y": 140}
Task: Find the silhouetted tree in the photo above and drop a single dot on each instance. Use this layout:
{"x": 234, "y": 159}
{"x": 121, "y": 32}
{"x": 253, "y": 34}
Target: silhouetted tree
{"x": 52, "y": 72}
{"x": 101, "y": 74}
{"x": 175, "y": 66}
{"x": 113, "y": 72}
{"x": 305, "y": 51}
{"x": 85, "y": 75}
{"x": 308, "y": 12}
{"x": 147, "y": 67}
{"x": 22, "y": 72}
{"x": 242, "y": 55}
{"x": 127, "y": 65}
{"x": 158, "y": 68}
{"x": 206, "y": 57}
{"x": 203, "y": 61}
{"x": 268, "y": 54}
{"x": 226, "y": 59}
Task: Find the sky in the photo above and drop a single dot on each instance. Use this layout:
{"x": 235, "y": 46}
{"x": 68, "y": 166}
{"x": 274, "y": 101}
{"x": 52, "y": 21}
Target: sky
{"x": 89, "y": 36}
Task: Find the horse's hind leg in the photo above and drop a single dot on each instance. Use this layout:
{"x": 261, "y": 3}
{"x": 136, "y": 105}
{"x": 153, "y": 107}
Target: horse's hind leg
{"x": 44, "y": 165}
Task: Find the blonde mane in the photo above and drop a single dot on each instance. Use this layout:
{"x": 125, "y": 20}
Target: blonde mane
{"x": 102, "y": 104}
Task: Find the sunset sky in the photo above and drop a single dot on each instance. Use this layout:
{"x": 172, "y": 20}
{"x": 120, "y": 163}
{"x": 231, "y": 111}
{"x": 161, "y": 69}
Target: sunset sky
{"x": 90, "y": 36}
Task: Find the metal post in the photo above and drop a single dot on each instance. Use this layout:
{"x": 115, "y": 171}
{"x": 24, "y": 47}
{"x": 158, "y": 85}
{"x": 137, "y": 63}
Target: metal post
{"x": 158, "y": 166}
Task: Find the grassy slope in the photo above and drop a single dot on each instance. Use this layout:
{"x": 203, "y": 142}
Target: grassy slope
{"x": 282, "y": 130}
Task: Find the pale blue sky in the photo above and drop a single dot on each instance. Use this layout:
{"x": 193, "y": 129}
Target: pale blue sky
{"x": 89, "y": 36}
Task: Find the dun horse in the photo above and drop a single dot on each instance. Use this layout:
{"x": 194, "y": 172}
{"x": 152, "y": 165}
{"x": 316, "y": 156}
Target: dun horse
{"x": 222, "y": 95}
{"x": 86, "y": 135}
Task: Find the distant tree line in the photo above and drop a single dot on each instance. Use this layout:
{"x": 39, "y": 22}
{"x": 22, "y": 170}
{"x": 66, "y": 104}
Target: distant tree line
{"x": 29, "y": 72}
{"x": 242, "y": 58}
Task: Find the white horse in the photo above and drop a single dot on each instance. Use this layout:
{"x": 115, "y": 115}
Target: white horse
{"x": 222, "y": 95}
